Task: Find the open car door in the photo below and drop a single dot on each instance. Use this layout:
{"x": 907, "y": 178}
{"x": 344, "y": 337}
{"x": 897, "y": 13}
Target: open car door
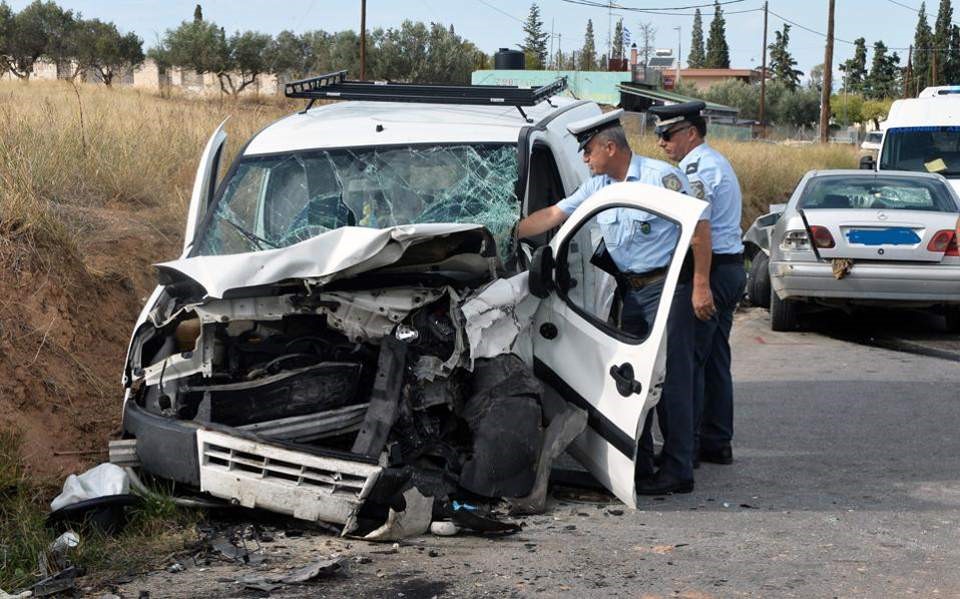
{"x": 580, "y": 353}
{"x": 204, "y": 185}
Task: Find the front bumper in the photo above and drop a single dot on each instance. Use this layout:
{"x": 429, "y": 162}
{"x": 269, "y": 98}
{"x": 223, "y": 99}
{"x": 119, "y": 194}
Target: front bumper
{"x": 241, "y": 468}
{"x": 894, "y": 282}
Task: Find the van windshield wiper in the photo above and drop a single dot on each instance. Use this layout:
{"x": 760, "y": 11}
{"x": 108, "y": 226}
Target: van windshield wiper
{"x": 254, "y": 239}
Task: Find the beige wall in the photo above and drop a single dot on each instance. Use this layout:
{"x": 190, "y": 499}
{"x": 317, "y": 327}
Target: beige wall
{"x": 149, "y": 77}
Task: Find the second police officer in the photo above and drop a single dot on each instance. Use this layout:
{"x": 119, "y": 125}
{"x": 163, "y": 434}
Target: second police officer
{"x": 682, "y": 130}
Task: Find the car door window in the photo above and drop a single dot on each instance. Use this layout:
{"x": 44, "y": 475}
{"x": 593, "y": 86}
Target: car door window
{"x": 609, "y": 255}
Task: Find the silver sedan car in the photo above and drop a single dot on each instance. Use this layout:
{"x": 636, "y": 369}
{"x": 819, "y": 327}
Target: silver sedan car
{"x": 855, "y": 237}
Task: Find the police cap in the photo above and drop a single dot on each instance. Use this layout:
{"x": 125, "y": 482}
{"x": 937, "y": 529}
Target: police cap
{"x": 585, "y": 129}
{"x": 668, "y": 116}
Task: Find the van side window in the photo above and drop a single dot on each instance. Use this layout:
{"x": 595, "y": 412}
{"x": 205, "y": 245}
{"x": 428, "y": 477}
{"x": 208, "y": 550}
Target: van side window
{"x": 544, "y": 185}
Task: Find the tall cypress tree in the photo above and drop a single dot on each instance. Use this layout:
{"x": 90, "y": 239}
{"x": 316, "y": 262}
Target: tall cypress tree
{"x": 588, "y": 54}
{"x": 697, "y": 55}
{"x": 882, "y": 79}
{"x": 922, "y": 55}
{"x": 952, "y": 75}
{"x": 855, "y": 69}
{"x": 618, "y": 40}
{"x": 941, "y": 41}
{"x": 718, "y": 53}
{"x": 782, "y": 64}
{"x": 535, "y": 41}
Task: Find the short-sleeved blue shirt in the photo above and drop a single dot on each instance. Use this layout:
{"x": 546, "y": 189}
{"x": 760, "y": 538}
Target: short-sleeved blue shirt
{"x": 713, "y": 180}
{"x": 638, "y": 241}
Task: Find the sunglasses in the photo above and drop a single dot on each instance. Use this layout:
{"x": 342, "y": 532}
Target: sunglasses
{"x": 666, "y": 135}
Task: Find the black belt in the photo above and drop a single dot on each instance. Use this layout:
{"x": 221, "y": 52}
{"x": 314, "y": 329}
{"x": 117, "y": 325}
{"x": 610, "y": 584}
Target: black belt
{"x": 719, "y": 259}
{"x": 642, "y": 279}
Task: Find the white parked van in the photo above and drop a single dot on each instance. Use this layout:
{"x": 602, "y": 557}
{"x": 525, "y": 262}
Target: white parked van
{"x": 923, "y": 134}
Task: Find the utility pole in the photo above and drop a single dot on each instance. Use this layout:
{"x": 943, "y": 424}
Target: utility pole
{"x": 610, "y": 26}
{"x": 763, "y": 78}
{"x": 827, "y": 78}
{"x": 363, "y": 40}
{"x": 908, "y": 80}
{"x": 679, "y": 54}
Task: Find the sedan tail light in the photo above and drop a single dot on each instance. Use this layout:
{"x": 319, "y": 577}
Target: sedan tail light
{"x": 943, "y": 242}
{"x": 822, "y": 237}
{"x": 795, "y": 240}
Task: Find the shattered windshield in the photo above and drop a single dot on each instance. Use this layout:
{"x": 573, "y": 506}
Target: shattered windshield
{"x": 878, "y": 193}
{"x": 279, "y": 200}
{"x": 924, "y": 149}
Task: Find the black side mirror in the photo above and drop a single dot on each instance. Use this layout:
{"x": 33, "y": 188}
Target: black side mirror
{"x": 867, "y": 163}
{"x": 541, "y": 271}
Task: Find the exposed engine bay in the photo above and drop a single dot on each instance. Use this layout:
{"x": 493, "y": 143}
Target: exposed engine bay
{"x": 342, "y": 404}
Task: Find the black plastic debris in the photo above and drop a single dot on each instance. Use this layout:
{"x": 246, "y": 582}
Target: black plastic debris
{"x": 61, "y": 582}
{"x": 106, "y": 515}
{"x": 504, "y": 415}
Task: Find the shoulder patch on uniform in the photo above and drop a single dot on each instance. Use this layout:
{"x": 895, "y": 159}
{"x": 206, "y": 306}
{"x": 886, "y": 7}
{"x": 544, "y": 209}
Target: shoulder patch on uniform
{"x": 698, "y": 189}
{"x": 672, "y": 182}
{"x": 692, "y": 167}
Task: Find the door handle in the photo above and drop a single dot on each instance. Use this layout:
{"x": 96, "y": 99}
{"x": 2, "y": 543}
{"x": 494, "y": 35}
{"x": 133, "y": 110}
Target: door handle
{"x": 626, "y": 383}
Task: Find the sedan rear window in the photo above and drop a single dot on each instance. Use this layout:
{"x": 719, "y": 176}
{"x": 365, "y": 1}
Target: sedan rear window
{"x": 279, "y": 200}
{"x": 877, "y": 193}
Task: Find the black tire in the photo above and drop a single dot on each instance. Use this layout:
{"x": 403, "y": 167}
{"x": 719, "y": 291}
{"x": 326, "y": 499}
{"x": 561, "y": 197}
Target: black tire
{"x": 758, "y": 289}
{"x": 952, "y": 314}
{"x": 783, "y": 313}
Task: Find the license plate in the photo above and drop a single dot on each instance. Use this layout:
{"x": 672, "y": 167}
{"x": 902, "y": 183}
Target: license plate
{"x": 888, "y": 236}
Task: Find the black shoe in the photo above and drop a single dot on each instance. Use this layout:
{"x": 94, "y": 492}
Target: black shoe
{"x": 724, "y": 455}
{"x": 658, "y": 460}
{"x": 663, "y": 484}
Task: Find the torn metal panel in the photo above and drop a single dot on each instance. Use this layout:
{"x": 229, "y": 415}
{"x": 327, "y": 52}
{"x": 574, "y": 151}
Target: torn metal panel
{"x": 302, "y": 485}
{"x": 310, "y": 427}
{"x": 182, "y": 364}
{"x": 336, "y": 254}
{"x": 371, "y": 315}
{"x": 497, "y": 314}
{"x": 384, "y": 398}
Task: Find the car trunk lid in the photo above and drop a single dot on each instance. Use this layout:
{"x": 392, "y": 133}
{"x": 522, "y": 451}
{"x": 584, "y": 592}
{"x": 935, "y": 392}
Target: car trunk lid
{"x": 896, "y": 235}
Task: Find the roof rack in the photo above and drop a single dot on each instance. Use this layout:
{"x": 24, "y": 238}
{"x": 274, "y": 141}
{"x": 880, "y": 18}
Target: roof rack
{"x": 336, "y": 86}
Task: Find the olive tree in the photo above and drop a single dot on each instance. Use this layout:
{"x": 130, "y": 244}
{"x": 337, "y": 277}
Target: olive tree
{"x": 99, "y": 46}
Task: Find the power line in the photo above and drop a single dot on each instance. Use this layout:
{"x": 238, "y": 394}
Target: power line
{"x": 502, "y": 12}
{"x": 805, "y": 28}
{"x": 614, "y": 6}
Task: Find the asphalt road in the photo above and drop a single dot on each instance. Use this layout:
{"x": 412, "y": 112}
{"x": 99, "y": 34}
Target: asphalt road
{"x": 846, "y": 483}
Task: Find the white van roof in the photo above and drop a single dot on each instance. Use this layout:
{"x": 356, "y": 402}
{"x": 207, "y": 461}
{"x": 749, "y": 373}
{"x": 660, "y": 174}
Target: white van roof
{"x": 939, "y": 91}
{"x": 942, "y": 110}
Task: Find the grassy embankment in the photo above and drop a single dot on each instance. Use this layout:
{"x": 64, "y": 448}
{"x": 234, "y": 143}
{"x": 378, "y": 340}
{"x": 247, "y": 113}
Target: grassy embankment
{"x": 94, "y": 184}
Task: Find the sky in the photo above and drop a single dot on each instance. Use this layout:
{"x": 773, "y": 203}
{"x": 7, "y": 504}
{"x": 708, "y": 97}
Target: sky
{"x": 492, "y": 24}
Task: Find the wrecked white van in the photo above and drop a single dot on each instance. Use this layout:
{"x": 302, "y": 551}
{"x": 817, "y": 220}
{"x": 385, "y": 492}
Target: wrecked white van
{"x": 349, "y": 334}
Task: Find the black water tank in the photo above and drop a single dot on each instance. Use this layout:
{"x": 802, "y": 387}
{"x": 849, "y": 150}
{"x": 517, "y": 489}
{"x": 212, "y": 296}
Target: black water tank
{"x": 507, "y": 59}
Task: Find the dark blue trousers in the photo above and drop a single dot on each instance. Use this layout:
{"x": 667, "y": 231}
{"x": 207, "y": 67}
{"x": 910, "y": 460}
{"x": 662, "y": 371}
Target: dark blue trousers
{"x": 675, "y": 411}
{"x": 713, "y": 382}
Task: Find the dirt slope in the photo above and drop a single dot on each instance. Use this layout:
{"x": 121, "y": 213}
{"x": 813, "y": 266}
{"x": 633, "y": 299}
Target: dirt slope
{"x": 65, "y": 321}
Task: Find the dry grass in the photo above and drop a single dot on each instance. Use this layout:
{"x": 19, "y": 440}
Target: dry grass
{"x": 768, "y": 172}
{"x": 66, "y": 150}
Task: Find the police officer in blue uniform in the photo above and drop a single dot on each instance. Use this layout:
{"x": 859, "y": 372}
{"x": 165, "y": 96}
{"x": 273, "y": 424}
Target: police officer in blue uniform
{"x": 682, "y": 129}
{"x": 641, "y": 245}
